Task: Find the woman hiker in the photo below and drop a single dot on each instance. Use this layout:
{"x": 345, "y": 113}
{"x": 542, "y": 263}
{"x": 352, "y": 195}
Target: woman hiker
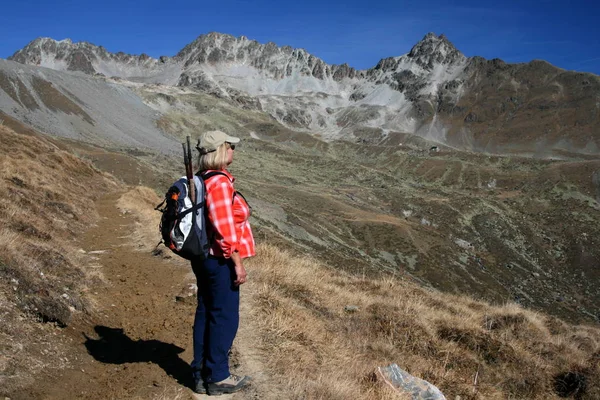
{"x": 219, "y": 276}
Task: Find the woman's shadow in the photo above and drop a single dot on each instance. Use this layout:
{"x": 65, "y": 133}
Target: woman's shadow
{"x": 114, "y": 347}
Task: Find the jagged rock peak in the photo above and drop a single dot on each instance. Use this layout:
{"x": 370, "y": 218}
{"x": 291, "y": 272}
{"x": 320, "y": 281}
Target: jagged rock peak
{"x": 214, "y": 48}
{"x": 63, "y": 49}
{"x": 42, "y": 40}
{"x": 62, "y": 54}
{"x": 49, "y": 45}
{"x": 79, "y": 56}
{"x": 433, "y": 49}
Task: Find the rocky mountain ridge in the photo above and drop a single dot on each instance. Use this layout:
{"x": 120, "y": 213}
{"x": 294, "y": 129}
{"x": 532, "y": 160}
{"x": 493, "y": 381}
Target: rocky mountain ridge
{"x": 433, "y": 91}
{"x": 79, "y": 56}
{"x": 215, "y": 48}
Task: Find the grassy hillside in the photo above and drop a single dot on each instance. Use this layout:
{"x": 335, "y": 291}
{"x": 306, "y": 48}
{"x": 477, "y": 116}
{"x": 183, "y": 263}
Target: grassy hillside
{"x": 47, "y": 202}
{"x": 325, "y": 332}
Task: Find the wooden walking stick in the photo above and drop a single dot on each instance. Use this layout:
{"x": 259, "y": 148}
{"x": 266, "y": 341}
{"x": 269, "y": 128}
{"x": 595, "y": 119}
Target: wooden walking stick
{"x": 189, "y": 169}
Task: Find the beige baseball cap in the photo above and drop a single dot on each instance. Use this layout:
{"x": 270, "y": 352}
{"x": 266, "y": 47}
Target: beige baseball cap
{"x": 211, "y": 140}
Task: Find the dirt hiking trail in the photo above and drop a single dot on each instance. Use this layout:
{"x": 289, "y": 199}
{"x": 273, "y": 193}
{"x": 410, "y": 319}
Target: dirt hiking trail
{"x": 138, "y": 342}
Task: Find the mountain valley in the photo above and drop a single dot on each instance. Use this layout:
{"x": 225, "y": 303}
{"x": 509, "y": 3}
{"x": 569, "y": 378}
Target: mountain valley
{"x": 462, "y": 176}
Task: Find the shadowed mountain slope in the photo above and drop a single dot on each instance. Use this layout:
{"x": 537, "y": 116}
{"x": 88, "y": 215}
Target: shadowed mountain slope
{"x": 80, "y": 107}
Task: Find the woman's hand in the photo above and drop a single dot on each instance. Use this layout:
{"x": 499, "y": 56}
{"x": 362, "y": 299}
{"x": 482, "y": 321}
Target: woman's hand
{"x": 240, "y": 270}
{"x": 240, "y": 273}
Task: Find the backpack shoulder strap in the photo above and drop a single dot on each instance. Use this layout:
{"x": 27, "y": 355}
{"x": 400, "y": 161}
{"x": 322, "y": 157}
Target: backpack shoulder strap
{"x": 207, "y": 175}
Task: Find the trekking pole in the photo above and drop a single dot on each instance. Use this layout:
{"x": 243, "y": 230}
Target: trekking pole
{"x": 187, "y": 160}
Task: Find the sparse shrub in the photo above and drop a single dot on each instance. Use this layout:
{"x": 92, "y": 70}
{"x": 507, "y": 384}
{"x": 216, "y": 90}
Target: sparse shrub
{"x": 488, "y": 348}
{"x": 570, "y": 383}
{"x": 583, "y": 342}
{"x": 48, "y": 309}
{"x": 62, "y": 208}
{"x": 53, "y": 260}
{"x": 504, "y": 321}
{"x": 555, "y": 325}
{"x": 524, "y": 382}
{"x": 29, "y": 230}
{"x": 404, "y": 331}
{"x": 36, "y": 296}
{"x": 17, "y": 181}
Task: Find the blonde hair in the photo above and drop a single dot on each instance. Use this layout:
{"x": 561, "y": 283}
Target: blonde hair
{"x": 215, "y": 159}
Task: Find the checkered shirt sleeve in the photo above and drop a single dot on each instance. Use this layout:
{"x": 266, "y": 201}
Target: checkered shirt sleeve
{"x": 228, "y": 215}
{"x": 220, "y": 214}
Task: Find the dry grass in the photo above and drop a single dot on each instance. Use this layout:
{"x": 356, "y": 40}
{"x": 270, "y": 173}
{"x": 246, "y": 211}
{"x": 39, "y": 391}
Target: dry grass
{"x": 170, "y": 394}
{"x": 47, "y": 201}
{"x": 140, "y": 201}
{"x": 466, "y": 348}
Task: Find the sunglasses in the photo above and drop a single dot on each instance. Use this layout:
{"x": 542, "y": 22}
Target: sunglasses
{"x": 231, "y": 146}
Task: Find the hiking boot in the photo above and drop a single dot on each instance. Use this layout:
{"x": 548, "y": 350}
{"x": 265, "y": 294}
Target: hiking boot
{"x": 200, "y": 386}
{"x": 230, "y": 385}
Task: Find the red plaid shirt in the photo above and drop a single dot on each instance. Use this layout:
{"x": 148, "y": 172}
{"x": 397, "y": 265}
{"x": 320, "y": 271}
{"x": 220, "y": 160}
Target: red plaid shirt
{"x": 228, "y": 218}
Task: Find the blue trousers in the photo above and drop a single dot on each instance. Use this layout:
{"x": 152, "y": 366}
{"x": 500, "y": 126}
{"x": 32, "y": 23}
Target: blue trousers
{"x": 217, "y": 318}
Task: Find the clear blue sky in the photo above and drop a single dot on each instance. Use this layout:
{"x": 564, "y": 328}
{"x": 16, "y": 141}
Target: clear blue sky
{"x": 360, "y": 33}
